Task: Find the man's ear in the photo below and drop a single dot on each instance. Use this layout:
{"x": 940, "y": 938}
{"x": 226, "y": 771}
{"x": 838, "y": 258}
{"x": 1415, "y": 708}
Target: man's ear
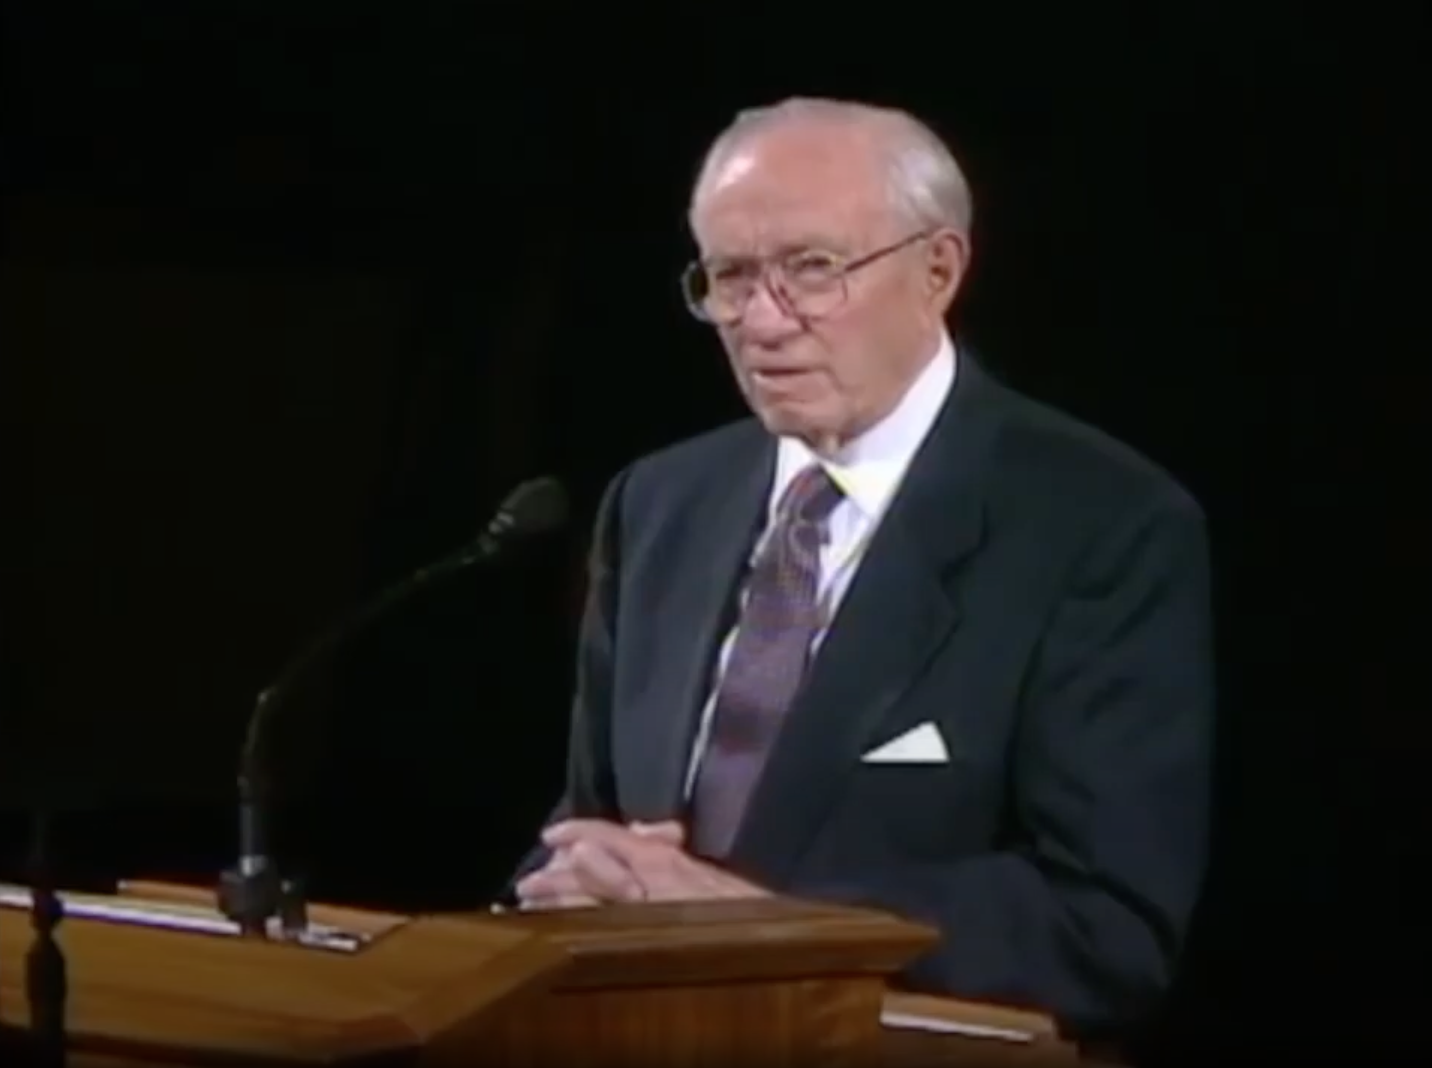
{"x": 948, "y": 263}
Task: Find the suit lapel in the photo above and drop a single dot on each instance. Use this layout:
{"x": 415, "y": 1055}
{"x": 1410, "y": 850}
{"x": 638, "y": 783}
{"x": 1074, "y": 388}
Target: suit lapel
{"x": 901, "y": 608}
{"x": 698, "y": 607}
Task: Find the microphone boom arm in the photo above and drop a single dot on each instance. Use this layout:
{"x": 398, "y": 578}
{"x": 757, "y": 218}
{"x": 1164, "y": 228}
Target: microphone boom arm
{"x": 250, "y": 761}
{"x": 254, "y": 892}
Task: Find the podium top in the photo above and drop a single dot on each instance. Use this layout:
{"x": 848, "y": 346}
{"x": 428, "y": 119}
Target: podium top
{"x": 181, "y": 992}
{"x": 721, "y": 941}
{"x": 163, "y": 993}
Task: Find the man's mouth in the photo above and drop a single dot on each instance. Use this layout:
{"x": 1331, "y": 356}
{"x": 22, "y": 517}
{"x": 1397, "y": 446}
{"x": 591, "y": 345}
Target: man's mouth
{"x": 778, "y": 374}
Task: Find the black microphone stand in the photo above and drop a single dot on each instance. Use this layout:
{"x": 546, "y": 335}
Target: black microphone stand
{"x": 256, "y": 891}
{"x": 46, "y": 973}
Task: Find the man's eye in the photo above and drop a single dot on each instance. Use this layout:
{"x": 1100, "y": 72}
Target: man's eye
{"x": 729, "y": 272}
{"x": 813, "y": 266}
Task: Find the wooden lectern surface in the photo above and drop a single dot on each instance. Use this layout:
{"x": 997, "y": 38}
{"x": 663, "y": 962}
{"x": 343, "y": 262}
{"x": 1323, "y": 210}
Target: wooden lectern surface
{"x": 920, "y": 1031}
{"x": 722, "y": 941}
{"x": 140, "y": 995}
{"x": 775, "y": 981}
{"x": 767, "y": 981}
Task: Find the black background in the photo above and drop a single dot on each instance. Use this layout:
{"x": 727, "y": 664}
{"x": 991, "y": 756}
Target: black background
{"x": 291, "y": 295}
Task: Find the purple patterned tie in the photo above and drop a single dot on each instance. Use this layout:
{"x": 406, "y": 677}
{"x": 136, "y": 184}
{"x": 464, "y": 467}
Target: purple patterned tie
{"x": 767, "y": 661}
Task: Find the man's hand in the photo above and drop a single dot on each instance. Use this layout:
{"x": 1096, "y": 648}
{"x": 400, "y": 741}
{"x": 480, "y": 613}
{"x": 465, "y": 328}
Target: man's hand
{"x": 652, "y": 864}
{"x": 587, "y": 871}
{"x": 596, "y": 862}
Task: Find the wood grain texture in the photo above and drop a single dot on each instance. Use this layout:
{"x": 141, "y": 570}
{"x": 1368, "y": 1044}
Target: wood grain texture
{"x": 775, "y": 981}
{"x": 144, "y": 995}
{"x": 722, "y": 941}
{"x": 947, "y": 1031}
{"x": 768, "y": 981}
{"x": 785, "y": 1022}
{"x": 363, "y": 921}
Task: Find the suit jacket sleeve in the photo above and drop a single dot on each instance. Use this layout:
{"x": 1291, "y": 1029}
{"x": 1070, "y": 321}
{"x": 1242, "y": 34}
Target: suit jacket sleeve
{"x": 590, "y": 791}
{"x": 1085, "y": 912}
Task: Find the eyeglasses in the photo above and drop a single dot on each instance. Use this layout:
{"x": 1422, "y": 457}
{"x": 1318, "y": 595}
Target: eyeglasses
{"x": 808, "y": 284}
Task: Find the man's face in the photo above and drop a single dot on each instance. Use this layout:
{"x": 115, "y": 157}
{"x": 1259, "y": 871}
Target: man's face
{"x": 815, "y": 195}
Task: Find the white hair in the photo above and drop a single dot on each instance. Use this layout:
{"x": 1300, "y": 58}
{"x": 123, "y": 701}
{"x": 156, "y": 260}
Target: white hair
{"x": 926, "y": 185}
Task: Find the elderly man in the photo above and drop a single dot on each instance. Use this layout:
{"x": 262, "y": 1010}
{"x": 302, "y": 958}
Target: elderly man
{"x": 906, "y": 639}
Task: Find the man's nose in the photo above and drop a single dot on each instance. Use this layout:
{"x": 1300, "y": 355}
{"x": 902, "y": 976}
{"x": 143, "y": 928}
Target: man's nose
{"x": 767, "y": 313}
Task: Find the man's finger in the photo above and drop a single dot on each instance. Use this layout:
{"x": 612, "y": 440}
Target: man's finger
{"x": 548, "y": 884}
{"x": 558, "y": 890}
{"x": 567, "y": 832}
{"x": 599, "y": 873}
{"x": 586, "y": 869}
{"x": 669, "y": 831}
{"x": 552, "y": 904}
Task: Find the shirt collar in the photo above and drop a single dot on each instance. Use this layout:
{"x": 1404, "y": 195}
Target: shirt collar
{"x": 869, "y": 468}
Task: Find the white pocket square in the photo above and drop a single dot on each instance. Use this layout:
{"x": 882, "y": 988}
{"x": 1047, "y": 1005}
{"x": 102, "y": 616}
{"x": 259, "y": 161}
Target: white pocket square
{"x": 920, "y": 745}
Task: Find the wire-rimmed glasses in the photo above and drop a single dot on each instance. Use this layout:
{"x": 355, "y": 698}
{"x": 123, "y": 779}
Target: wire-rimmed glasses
{"x": 808, "y": 284}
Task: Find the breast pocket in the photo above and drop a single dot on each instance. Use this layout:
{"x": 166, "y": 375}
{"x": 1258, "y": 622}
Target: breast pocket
{"x": 922, "y": 811}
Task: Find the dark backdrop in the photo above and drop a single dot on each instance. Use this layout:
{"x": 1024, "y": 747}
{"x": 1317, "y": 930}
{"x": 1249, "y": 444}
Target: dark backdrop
{"x": 288, "y": 300}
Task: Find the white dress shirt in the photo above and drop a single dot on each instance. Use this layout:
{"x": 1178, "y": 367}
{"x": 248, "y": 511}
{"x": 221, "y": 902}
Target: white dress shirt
{"x": 868, "y": 470}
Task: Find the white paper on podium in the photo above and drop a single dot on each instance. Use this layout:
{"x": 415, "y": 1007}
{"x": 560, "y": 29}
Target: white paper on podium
{"x": 178, "y": 917}
{"x": 943, "y": 1026}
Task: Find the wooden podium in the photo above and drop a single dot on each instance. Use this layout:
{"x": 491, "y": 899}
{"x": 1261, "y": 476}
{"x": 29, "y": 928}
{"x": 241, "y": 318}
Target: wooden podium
{"x": 158, "y": 978}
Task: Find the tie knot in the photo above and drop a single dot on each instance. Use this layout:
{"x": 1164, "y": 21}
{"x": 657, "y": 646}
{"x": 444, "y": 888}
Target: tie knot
{"x": 811, "y": 497}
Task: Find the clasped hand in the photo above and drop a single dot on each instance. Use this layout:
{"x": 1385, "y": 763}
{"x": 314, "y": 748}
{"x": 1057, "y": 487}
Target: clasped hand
{"x": 597, "y": 862}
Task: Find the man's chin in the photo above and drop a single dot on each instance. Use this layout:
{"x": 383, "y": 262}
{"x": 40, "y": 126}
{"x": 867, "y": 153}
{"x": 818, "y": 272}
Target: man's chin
{"x": 790, "y": 421}
{"x": 783, "y": 421}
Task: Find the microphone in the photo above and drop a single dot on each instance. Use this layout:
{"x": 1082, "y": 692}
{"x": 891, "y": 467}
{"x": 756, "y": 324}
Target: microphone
{"x": 254, "y": 892}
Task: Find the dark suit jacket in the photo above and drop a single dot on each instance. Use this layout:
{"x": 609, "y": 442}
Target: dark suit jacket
{"x": 1039, "y": 592}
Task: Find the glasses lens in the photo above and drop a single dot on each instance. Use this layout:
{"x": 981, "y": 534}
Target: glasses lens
{"x": 815, "y": 301}
{"x": 726, "y": 302}
{"x": 696, "y": 289}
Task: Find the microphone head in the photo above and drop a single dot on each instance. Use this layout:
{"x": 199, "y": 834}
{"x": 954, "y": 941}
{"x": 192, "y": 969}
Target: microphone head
{"x": 534, "y": 507}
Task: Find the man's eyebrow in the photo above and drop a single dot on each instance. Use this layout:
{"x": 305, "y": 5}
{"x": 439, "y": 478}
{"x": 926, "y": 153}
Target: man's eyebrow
{"x": 813, "y": 243}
